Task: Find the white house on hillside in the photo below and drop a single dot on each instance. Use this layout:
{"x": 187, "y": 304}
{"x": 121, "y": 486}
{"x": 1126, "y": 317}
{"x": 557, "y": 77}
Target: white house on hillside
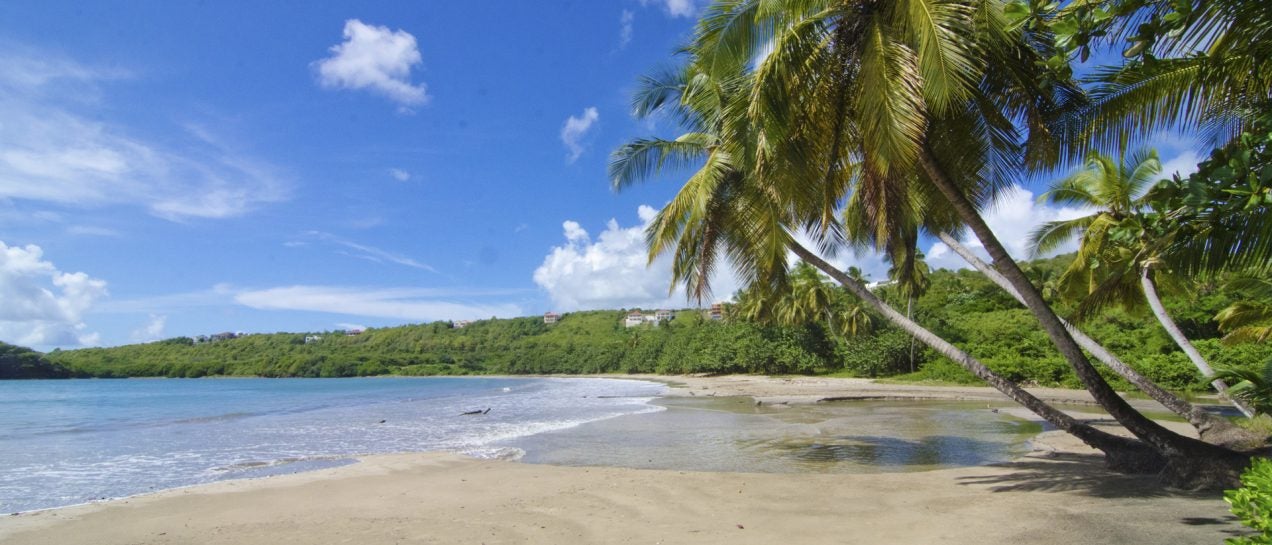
{"x": 634, "y": 318}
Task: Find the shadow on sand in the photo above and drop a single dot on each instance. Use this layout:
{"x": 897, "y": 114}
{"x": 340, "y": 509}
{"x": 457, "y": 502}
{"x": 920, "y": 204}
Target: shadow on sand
{"x": 1085, "y": 474}
{"x": 1080, "y": 473}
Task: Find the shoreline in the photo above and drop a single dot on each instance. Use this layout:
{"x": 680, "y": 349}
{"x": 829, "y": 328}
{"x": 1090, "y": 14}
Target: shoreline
{"x": 583, "y": 504}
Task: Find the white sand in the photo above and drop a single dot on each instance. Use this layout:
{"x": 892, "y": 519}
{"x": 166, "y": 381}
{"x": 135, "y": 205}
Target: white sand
{"x": 1058, "y": 494}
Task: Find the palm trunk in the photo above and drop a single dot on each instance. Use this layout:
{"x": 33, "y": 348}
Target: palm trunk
{"x": 1121, "y": 453}
{"x": 1212, "y": 429}
{"x": 1190, "y": 462}
{"x": 1155, "y": 302}
{"x": 909, "y": 312}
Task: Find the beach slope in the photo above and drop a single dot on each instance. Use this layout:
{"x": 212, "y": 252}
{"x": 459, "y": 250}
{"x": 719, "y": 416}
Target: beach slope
{"x": 1058, "y": 494}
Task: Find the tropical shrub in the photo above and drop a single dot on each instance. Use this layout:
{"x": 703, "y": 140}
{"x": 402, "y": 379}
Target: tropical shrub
{"x": 1252, "y": 503}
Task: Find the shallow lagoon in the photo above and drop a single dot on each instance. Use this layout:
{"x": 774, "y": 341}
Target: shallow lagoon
{"x": 733, "y": 434}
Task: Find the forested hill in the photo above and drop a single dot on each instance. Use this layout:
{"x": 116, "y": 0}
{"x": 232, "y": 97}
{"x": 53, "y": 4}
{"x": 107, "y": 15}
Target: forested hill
{"x": 961, "y": 306}
{"x": 18, "y": 362}
{"x": 581, "y": 342}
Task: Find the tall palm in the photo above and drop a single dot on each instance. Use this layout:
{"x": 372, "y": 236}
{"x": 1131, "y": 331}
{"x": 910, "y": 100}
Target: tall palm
{"x": 1210, "y": 427}
{"x": 678, "y": 229}
{"x": 912, "y": 281}
{"x": 1119, "y": 261}
{"x": 856, "y": 317}
{"x": 810, "y": 298}
{"x": 807, "y": 298}
{"x": 909, "y": 101}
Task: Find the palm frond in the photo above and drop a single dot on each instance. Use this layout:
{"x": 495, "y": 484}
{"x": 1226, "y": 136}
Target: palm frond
{"x": 940, "y": 30}
{"x": 641, "y": 158}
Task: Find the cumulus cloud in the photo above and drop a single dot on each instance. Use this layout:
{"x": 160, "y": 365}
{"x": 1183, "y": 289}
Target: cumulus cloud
{"x": 51, "y": 153}
{"x": 43, "y": 306}
{"x": 626, "y": 30}
{"x": 1013, "y": 217}
{"x": 674, "y": 8}
{"x": 574, "y": 129}
{"x": 152, "y": 330}
{"x": 611, "y": 271}
{"x": 399, "y": 174}
{"x": 399, "y": 303}
{"x": 376, "y": 59}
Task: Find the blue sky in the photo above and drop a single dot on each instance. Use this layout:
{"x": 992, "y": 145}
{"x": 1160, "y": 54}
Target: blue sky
{"x": 184, "y": 168}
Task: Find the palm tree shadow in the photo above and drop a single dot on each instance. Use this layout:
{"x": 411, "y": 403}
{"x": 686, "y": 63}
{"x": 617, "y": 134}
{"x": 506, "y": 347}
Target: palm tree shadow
{"x": 1075, "y": 473}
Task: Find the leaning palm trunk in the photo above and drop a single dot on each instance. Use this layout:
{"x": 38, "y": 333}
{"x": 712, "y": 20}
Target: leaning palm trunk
{"x": 1155, "y": 302}
{"x": 909, "y": 312}
{"x": 1211, "y": 428}
{"x": 1120, "y": 453}
{"x": 1190, "y": 463}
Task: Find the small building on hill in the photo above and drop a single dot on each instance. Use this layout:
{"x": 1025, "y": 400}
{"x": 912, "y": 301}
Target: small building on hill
{"x": 551, "y": 317}
{"x": 634, "y": 318}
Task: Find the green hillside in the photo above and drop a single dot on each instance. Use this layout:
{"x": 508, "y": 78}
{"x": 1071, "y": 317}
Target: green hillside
{"x": 17, "y": 362}
{"x": 581, "y": 342}
{"x": 961, "y": 306}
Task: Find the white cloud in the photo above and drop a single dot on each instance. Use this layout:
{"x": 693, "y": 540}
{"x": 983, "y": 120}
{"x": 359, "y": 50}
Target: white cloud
{"x": 1013, "y": 217}
{"x": 377, "y": 59}
{"x": 370, "y": 253}
{"x": 50, "y": 153}
{"x": 152, "y": 330}
{"x": 218, "y": 295}
{"x": 626, "y": 30}
{"x": 1183, "y": 164}
{"x": 574, "y": 232}
{"x": 674, "y": 8}
{"x": 399, "y": 303}
{"x": 43, "y": 306}
{"x": 612, "y": 271}
{"x": 399, "y": 174}
{"x": 574, "y": 129}
{"x": 91, "y": 231}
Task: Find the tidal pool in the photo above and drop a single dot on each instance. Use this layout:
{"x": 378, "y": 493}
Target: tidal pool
{"x": 732, "y": 434}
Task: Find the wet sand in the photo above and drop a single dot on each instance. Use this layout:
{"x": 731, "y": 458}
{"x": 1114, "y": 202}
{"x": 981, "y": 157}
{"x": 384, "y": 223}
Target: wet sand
{"x": 1058, "y": 493}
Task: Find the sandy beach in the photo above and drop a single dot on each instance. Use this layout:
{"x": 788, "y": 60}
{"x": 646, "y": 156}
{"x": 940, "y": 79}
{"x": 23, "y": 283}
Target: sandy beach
{"x": 1058, "y": 493}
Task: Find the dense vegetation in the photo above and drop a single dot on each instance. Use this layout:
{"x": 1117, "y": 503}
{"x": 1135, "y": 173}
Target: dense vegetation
{"x": 1252, "y": 504}
{"x": 17, "y": 362}
{"x": 962, "y": 306}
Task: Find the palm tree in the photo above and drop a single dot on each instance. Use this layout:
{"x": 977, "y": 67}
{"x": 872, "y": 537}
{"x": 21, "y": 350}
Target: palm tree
{"x": 907, "y": 102}
{"x": 810, "y": 299}
{"x": 722, "y": 210}
{"x": 1119, "y": 260}
{"x": 1253, "y": 387}
{"x": 1250, "y": 319}
{"x": 1194, "y": 66}
{"x": 912, "y": 281}
{"x": 1210, "y": 427}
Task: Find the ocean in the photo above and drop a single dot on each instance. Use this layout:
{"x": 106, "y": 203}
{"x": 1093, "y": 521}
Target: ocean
{"x": 74, "y": 441}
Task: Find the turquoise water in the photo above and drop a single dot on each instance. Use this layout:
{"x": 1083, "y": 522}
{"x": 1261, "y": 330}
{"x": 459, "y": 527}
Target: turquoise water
{"x": 68, "y": 442}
